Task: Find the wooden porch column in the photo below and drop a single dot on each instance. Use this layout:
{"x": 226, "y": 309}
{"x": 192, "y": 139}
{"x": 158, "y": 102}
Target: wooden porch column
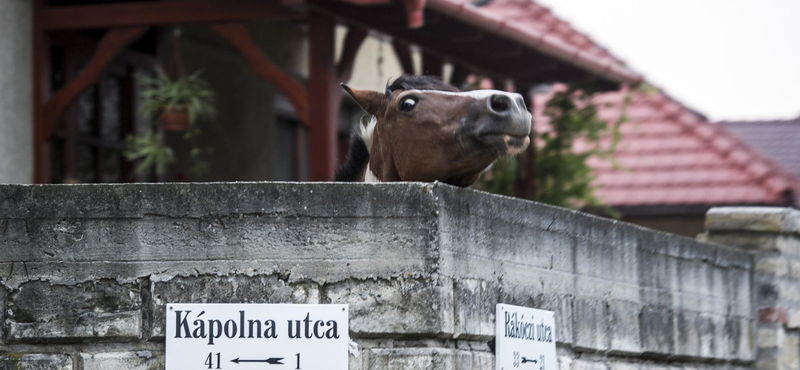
{"x": 432, "y": 64}
{"x": 321, "y": 83}
{"x": 403, "y": 51}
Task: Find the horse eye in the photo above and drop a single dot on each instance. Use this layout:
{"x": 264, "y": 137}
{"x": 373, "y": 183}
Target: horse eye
{"x": 408, "y": 104}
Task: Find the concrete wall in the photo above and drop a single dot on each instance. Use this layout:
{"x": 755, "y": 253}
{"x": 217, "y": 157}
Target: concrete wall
{"x": 772, "y": 235}
{"x": 83, "y": 284}
{"x": 16, "y": 91}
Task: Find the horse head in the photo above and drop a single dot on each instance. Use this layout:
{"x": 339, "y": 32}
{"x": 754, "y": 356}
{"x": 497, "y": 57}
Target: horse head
{"x": 423, "y": 129}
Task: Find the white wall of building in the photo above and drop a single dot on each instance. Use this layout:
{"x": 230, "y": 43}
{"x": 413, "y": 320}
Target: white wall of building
{"x": 16, "y": 91}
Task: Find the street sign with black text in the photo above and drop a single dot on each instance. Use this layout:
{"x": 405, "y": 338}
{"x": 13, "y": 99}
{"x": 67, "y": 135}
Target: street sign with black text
{"x": 524, "y": 338}
{"x": 203, "y": 336}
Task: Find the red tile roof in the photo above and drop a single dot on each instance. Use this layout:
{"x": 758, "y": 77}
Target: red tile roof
{"x": 533, "y": 16}
{"x": 534, "y": 25}
{"x": 671, "y": 156}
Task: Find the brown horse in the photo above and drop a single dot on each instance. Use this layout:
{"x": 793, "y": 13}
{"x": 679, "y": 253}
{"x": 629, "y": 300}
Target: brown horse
{"x": 423, "y": 129}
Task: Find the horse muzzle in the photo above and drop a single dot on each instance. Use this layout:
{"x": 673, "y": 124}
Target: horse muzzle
{"x": 502, "y": 122}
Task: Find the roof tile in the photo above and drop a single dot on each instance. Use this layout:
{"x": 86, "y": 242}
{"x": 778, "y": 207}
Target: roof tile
{"x": 559, "y": 36}
{"x": 777, "y": 140}
{"x": 668, "y": 155}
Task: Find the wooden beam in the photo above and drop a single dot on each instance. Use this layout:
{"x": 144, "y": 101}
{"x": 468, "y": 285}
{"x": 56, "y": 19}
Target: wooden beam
{"x": 403, "y": 51}
{"x": 158, "y": 13}
{"x": 352, "y": 42}
{"x": 367, "y": 2}
{"x": 110, "y": 45}
{"x": 321, "y": 82}
{"x": 297, "y": 93}
{"x": 344, "y": 69}
{"x": 459, "y": 75}
{"x": 78, "y": 41}
{"x": 432, "y": 64}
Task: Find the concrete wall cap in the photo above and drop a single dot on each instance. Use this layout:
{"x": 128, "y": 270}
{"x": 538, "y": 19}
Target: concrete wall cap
{"x": 758, "y": 219}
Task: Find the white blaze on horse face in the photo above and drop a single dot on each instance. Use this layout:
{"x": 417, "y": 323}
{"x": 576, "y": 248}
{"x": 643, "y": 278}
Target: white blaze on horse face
{"x": 475, "y": 94}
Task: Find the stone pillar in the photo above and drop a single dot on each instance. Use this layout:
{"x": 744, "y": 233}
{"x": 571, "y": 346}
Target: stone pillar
{"x": 16, "y": 91}
{"x": 772, "y": 235}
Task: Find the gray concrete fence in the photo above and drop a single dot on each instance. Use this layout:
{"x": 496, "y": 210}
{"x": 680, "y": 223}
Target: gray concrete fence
{"x": 86, "y": 271}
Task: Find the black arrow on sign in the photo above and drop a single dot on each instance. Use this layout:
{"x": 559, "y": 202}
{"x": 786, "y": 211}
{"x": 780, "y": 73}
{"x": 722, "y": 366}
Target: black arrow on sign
{"x": 525, "y": 359}
{"x": 271, "y": 360}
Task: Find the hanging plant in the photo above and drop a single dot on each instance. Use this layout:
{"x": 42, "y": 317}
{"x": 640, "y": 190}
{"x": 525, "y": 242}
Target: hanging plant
{"x": 178, "y": 104}
{"x": 150, "y": 151}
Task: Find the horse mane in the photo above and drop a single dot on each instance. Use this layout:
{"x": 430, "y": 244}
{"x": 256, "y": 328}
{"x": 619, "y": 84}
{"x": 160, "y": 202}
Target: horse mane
{"x": 409, "y": 82}
{"x": 355, "y": 166}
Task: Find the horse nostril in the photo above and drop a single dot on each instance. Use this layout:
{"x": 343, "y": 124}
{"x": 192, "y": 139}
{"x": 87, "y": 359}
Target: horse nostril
{"x": 499, "y": 103}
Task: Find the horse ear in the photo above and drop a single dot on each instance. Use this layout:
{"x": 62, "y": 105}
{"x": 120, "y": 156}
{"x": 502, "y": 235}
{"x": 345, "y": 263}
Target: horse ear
{"x": 370, "y": 101}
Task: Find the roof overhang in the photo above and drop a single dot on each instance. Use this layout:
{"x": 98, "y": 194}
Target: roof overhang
{"x": 467, "y": 35}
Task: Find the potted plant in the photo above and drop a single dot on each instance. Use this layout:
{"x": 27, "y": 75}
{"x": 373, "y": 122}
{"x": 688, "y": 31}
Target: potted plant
{"x": 150, "y": 150}
{"x": 179, "y": 103}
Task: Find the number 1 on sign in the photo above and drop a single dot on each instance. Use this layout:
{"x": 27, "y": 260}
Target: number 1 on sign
{"x": 210, "y": 360}
{"x": 298, "y": 361}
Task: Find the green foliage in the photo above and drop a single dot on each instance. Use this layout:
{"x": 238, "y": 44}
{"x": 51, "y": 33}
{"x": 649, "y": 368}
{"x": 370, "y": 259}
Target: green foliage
{"x": 190, "y": 93}
{"x": 151, "y": 152}
{"x": 501, "y": 178}
{"x": 563, "y": 177}
{"x": 197, "y": 166}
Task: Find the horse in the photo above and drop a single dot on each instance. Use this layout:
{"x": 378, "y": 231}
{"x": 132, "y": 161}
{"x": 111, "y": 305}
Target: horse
{"x": 422, "y": 129}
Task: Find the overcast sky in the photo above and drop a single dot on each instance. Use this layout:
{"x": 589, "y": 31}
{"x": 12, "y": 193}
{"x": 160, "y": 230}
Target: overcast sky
{"x": 728, "y": 59}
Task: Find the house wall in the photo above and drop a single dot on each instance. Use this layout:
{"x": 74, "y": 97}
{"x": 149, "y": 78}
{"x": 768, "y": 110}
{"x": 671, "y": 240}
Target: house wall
{"x": 83, "y": 285}
{"x": 243, "y": 143}
{"x": 246, "y": 141}
{"x": 16, "y": 91}
{"x": 376, "y": 62}
{"x": 686, "y": 225}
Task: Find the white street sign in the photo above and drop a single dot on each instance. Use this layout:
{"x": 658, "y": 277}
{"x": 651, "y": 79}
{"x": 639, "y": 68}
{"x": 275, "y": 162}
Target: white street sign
{"x": 525, "y": 338}
{"x": 257, "y": 336}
